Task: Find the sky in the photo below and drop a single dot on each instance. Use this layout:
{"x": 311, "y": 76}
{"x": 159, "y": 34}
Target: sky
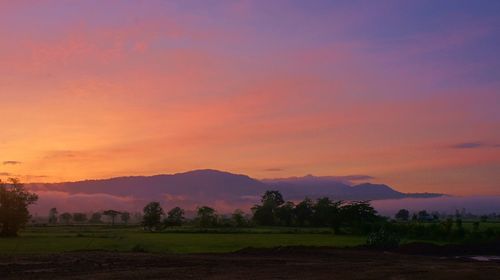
{"x": 407, "y": 92}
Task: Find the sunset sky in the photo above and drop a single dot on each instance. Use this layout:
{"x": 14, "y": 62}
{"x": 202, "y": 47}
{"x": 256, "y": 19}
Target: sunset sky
{"x": 405, "y": 91}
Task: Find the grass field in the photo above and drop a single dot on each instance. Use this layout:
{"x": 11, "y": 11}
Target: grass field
{"x": 67, "y": 239}
{"x": 54, "y": 239}
{"x": 468, "y": 225}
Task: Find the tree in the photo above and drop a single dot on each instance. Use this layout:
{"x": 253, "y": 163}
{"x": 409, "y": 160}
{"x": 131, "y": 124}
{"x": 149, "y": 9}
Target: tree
{"x": 414, "y": 217}
{"x": 460, "y": 228}
{"x": 272, "y": 197}
{"x": 53, "y": 216}
{"x": 285, "y": 213}
{"x": 79, "y": 217}
{"x": 175, "y": 217}
{"x": 66, "y": 217}
{"x": 423, "y": 216}
{"x": 326, "y": 213}
{"x": 95, "y": 218}
{"x": 358, "y": 213}
{"x": 238, "y": 218}
{"x": 125, "y": 217}
{"x": 206, "y": 216}
{"x": 265, "y": 214}
{"x": 14, "y": 202}
{"x": 403, "y": 215}
{"x": 151, "y": 220}
{"x": 112, "y": 214}
{"x": 304, "y": 212}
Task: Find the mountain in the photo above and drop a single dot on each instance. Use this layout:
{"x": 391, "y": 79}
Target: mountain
{"x": 200, "y": 184}
{"x": 223, "y": 190}
{"x": 338, "y": 188}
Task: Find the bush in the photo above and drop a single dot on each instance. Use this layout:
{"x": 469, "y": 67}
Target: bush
{"x": 383, "y": 239}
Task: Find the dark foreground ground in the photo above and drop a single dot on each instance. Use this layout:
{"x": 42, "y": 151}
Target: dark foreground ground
{"x": 278, "y": 263}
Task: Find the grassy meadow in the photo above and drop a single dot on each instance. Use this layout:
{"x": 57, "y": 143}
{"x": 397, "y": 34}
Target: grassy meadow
{"x": 54, "y": 239}
{"x": 120, "y": 238}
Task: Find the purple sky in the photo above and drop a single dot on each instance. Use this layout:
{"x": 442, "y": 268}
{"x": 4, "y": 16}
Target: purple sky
{"x": 404, "y": 91}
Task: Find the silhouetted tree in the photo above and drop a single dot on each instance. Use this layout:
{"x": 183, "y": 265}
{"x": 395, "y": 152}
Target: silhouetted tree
{"x": 14, "y": 202}
{"x": 265, "y": 214}
{"x": 272, "y": 197}
{"x": 460, "y": 228}
{"x": 285, "y": 213}
{"x": 96, "y": 218}
{"x": 423, "y": 216}
{"x": 414, "y": 217}
{"x": 112, "y": 214}
{"x": 238, "y": 218}
{"x": 175, "y": 217}
{"x": 206, "y": 216}
{"x": 53, "y": 216}
{"x": 79, "y": 217}
{"x": 326, "y": 212}
{"x": 304, "y": 212}
{"x": 66, "y": 217}
{"x": 447, "y": 227}
{"x": 403, "y": 215}
{"x": 151, "y": 219}
{"x": 125, "y": 217}
{"x": 358, "y": 213}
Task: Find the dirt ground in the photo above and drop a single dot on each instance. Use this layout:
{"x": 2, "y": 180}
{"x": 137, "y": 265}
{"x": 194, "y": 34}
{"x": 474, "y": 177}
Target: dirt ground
{"x": 278, "y": 263}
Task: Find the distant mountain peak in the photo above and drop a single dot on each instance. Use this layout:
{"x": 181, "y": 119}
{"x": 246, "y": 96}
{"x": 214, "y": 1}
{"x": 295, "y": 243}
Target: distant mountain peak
{"x": 371, "y": 185}
{"x": 220, "y": 188}
{"x": 347, "y": 179}
{"x": 203, "y": 171}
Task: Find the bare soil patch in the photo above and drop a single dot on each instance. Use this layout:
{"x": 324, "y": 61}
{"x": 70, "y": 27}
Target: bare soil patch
{"x": 277, "y": 263}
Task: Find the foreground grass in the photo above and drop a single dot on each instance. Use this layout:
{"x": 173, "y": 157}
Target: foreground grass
{"x": 67, "y": 239}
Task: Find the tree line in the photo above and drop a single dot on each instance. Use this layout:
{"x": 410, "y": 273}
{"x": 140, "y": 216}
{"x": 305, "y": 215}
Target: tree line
{"x": 272, "y": 211}
{"x": 349, "y": 217}
{"x": 93, "y": 218}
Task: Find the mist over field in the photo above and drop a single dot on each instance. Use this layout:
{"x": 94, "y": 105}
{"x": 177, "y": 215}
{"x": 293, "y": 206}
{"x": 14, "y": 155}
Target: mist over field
{"x": 226, "y": 192}
{"x": 222, "y": 190}
{"x": 387, "y": 207}
{"x": 447, "y": 204}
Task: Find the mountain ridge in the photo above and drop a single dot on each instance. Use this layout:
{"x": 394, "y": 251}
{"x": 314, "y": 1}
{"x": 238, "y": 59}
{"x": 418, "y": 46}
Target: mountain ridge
{"x": 216, "y": 184}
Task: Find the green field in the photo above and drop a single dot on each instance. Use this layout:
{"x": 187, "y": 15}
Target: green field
{"x": 53, "y": 239}
{"x": 468, "y": 225}
{"x": 67, "y": 239}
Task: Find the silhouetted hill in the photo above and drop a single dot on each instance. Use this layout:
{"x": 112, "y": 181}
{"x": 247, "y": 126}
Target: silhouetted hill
{"x": 224, "y": 189}
{"x": 337, "y": 188}
{"x": 207, "y": 185}
{"x": 203, "y": 184}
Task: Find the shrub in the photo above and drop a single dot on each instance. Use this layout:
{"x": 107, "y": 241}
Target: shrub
{"x": 383, "y": 239}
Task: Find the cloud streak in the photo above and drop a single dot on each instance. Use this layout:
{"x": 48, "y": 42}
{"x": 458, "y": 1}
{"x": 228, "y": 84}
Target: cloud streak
{"x": 469, "y": 145}
{"x": 11, "y": 162}
{"x": 274, "y": 169}
{"x": 474, "y": 145}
